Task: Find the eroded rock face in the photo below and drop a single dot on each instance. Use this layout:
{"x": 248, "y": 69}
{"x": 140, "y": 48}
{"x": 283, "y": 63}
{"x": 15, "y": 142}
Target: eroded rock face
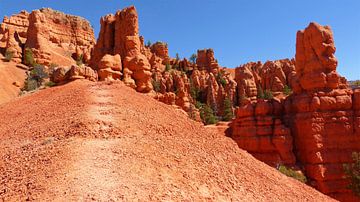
{"x": 206, "y": 61}
{"x": 13, "y": 34}
{"x": 259, "y": 129}
{"x": 119, "y": 34}
{"x": 255, "y": 77}
{"x": 109, "y": 67}
{"x": 65, "y": 74}
{"x": 319, "y": 123}
{"x": 324, "y": 113}
{"x": 55, "y": 37}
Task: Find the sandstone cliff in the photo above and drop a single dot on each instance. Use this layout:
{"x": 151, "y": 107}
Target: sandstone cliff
{"x": 55, "y": 37}
{"x": 317, "y": 126}
{"x": 13, "y": 34}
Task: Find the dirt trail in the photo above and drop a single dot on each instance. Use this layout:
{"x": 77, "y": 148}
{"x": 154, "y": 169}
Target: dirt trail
{"x": 104, "y": 142}
{"x": 90, "y": 174}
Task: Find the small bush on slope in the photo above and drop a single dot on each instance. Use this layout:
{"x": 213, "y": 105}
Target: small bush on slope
{"x": 29, "y": 58}
{"x": 206, "y": 113}
{"x": 228, "y": 111}
{"x": 352, "y": 172}
{"x": 8, "y": 56}
{"x": 292, "y": 173}
{"x": 287, "y": 90}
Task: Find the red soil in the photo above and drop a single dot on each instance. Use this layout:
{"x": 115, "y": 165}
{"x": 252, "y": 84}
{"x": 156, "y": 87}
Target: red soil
{"x": 9, "y": 74}
{"x": 95, "y": 141}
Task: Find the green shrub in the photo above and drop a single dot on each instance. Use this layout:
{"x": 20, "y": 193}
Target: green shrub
{"x": 156, "y": 85}
{"x": 35, "y": 78}
{"x": 30, "y": 84}
{"x": 8, "y": 55}
{"x": 206, "y": 113}
{"x": 352, "y": 172}
{"x": 80, "y": 60}
{"x": 287, "y": 90}
{"x": 292, "y": 173}
{"x": 29, "y": 58}
{"x": 228, "y": 111}
{"x": 193, "y": 58}
{"x": 50, "y": 84}
{"x": 266, "y": 94}
{"x": 167, "y": 67}
{"x": 220, "y": 79}
{"x": 148, "y": 44}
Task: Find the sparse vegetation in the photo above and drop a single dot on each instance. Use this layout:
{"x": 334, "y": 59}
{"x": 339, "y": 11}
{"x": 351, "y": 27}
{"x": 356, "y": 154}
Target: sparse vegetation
{"x": 50, "y": 84}
{"x": 8, "y": 55}
{"x": 29, "y": 58}
{"x": 35, "y": 78}
{"x": 287, "y": 90}
{"x": 148, "y": 44}
{"x": 156, "y": 85}
{"x": 193, "y": 58}
{"x": 266, "y": 94}
{"x": 206, "y": 113}
{"x": 352, "y": 172}
{"x": 167, "y": 67}
{"x": 292, "y": 173}
{"x": 220, "y": 79}
{"x": 80, "y": 60}
{"x": 228, "y": 111}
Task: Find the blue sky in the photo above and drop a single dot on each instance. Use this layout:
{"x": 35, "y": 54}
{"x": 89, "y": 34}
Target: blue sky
{"x": 239, "y": 31}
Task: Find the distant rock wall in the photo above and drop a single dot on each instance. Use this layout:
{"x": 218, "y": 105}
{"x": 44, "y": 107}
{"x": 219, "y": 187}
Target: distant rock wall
{"x": 55, "y": 37}
{"x": 13, "y": 34}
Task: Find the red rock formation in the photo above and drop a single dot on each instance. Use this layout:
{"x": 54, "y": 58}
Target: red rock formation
{"x": 119, "y": 34}
{"x": 65, "y": 74}
{"x": 206, "y": 61}
{"x": 55, "y": 37}
{"x": 324, "y": 113}
{"x": 109, "y": 67}
{"x": 272, "y": 76}
{"x": 258, "y": 128}
{"x": 13, "y": 34}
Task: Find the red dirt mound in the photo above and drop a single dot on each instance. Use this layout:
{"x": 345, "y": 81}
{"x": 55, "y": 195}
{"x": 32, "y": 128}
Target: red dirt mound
{"x": 96, "y": 141}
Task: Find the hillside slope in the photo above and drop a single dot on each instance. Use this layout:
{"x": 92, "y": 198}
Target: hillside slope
{"x": 9, "y": 74}
{"x": 96, "y": 141}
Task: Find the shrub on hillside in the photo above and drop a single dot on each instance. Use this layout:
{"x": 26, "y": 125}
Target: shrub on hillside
{"x": 292, "y": 173}
{"x": 206, "y": 113}
{"x": 220, "y": 79}
{"x": 156, "y": 85}
{"x": 35, "y": 78}
{"x": 193, "y": 58}
{"x": 80, "y": 60}
{"x": 8, "y": 55}
{"x": 266, "y": 94}
{"x": 29, "y": 58}
{"x": 287, "y": 90}
{"x": 228, "y": 111}
{"x": 352, "y": 172}
{"x": 167, "y": 67}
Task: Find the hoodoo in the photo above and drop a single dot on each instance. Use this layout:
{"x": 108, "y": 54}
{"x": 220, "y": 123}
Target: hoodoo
{"x": 316, "y": 127}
